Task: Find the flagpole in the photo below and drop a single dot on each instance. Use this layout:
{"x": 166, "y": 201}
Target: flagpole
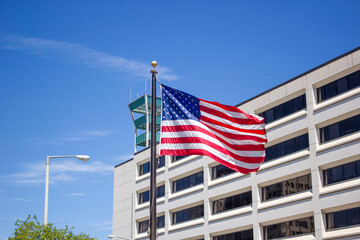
{"x": 153, "y": 162}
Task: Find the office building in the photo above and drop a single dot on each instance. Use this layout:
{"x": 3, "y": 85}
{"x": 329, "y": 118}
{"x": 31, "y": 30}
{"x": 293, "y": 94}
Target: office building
{"x": 307, "y": 188}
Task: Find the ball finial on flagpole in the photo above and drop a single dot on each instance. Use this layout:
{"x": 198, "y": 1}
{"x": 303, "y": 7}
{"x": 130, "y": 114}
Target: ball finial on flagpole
{"x": 154, "y": 64}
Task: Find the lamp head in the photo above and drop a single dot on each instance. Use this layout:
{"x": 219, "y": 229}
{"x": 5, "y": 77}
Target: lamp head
{"x": 83, "y": 157}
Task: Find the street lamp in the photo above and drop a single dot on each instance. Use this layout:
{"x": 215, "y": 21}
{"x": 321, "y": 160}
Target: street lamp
{"x": 116, "y": 237}
{"x": 80, "y": 157}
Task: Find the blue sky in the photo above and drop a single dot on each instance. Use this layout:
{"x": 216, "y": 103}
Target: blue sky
{"x": 67, "y": 67}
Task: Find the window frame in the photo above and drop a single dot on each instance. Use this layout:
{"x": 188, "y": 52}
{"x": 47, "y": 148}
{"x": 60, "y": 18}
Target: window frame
{"x": 337, "y": 129}
{"x": 278, "y": 112}
{"x": 266, "y": 230}
{"x": 268, "y": 194}
{"x": 328, "y": 173}
{"x": 199, "y": 210}
{"x": 346, "y": 212}
{"x": 187, "y": 181}
{"x": 242, "y": 196}
{"x": 140, "y": 194}
{"x": 336, "y": 85}
{"x": 273, "y": 152}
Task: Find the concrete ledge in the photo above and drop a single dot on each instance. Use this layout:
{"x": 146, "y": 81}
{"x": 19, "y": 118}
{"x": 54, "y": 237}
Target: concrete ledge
{"x": 286, "y": 119}
{"x": 340, "y": 186}
{"x": 346, "y": 232}
{"x": 190, "y": 223}
{"x": 336, "y": 99}
{"x": 285, "y": 200}
{"x": 230, "y": 213}
{"x": 285, "y": 159}
{"x": 338, "y": 142}
{"x": 186, "y": 191}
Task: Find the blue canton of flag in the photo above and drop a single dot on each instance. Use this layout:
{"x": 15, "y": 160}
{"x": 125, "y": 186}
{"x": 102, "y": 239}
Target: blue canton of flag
{"x": 179, "y": 105}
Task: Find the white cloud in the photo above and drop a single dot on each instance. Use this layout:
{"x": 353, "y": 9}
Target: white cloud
{"x": 74, "y": 194}
{"x": 61, "y": 171}
{"x": 16, "y": 200}
{"x": 76, "y": 53}
{"x": 75, "y": 137}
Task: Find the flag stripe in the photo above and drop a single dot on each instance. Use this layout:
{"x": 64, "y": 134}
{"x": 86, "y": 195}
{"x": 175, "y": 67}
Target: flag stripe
{"x": 246, "y": 156}
{"x": 241, "y": 145}
{"x": 236, "y": 114}
{"x": 230, "y": 110}
{"x": 233, "y": 123}
{"x": 192, "y": 125}
{"x": 239, "y": 168}
{"x": 229, "y": 127}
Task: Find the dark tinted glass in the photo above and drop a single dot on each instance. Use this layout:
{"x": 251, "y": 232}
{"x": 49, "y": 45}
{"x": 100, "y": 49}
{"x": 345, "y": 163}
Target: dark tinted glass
{"x": 144, "y": 168}
{"x": 343, "y": 218}
{"x": 342, "y": 172}
{"x": 287, "y": 187}
{"x": 342, "y": 85}
{"x": 144, "y": 225}
{"x": 145, "y": 196}
{"x": 289, "y": 228}
{"x": 340, "y": 129}
{"x": 177, "y": 158}
{"x": 287, "y": 147}
{"x": 232, "y": 202}
{"x": 354, "y": 80}
{"x": 161, "y": 161}
{"x": 188, "y": 214}
{"x": 189, "y": 181}
{"x": 339, "y": 86}
{"x": 160, "y": 191}
{"x": 284, "y": 109}
{"x": 242, "y": 235}
{"x": 220, "y": 170}
{"x": 330, "y": 90}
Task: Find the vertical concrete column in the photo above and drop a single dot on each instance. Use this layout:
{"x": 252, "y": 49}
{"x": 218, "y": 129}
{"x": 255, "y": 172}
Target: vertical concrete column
{"x": 207, "y": 207}
{"x": 315, "y": 171}
{"x": 167, "y": 194}
{"x": 256, "y": 200}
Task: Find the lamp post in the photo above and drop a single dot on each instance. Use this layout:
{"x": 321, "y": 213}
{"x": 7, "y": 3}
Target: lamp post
{"x": 80, "y": 157}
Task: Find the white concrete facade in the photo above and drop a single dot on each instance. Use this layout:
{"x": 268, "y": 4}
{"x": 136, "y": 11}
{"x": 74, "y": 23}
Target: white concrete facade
{"x": 320, "y": 200}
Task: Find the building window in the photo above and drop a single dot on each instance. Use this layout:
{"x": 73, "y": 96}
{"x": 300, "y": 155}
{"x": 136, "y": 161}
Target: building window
{"x": 144, "y": 225}
{"x": 340, "y": 129}
{"x": 342, "y": 172}
{"x": 284, "y": 148}
{"x": 344, "y": 218}
{"x": 161, "y": 162}
{"x": 160, "y": 191}
{"x": 177, "y": 158}
{"x": 187, "y": 182}
{"x": 145, "y": 168}
{"x": 241, "y": 235}
{"x": 287, "y": 187}
{"x": 220, "y": 170}
{"x": 145, "y": 196}
{"x": 188, "y": 214}
{"x": 284, "y": 109}
{"x": 232, "y": 202}
{"x": 339, "y": 86}
{"x": 290, "y": 228}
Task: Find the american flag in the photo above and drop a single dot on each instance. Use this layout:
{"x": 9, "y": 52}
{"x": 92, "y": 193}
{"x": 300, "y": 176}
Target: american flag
{"x": 193, "y": 126}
